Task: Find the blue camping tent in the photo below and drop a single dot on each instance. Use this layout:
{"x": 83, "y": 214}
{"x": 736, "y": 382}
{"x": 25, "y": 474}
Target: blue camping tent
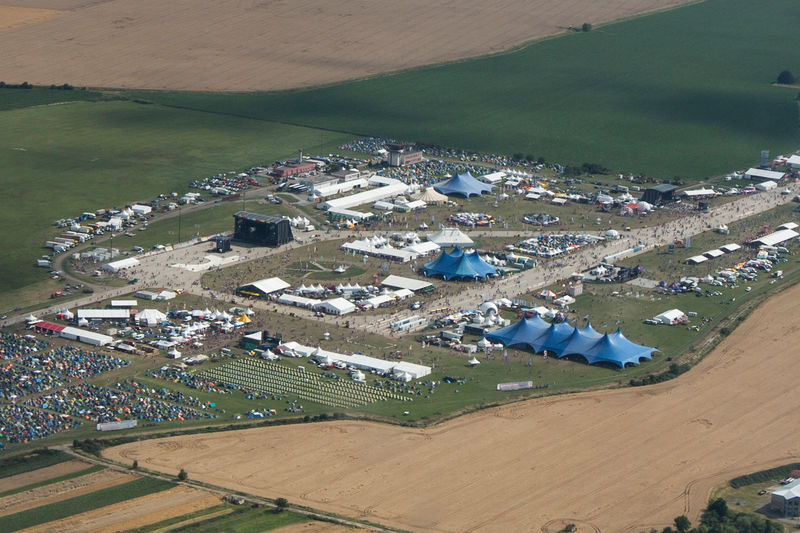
{"x": 458, "y": 265}
{"x": 521, "y": 334}
{"x": 462, "y": 185}
{"x": 615, "y": 348}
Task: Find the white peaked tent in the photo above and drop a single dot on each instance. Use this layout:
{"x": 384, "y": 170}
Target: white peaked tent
{"x": 150, "y": 317}
{"x": 474, "y": 361}
{"x": 450, "y": 237}
{"x": 430, "y": 196}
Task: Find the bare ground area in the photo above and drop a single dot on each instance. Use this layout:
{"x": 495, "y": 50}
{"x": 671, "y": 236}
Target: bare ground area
{"x": 619, "y": 460}
{"x": 245, "y": 45}
{"x": 56, "y": 492}
{"x": 42, "y": 474}
{"x": 315, "y": 527}
{"x": 12, "y": 17}
{"x": 134, "y": 513}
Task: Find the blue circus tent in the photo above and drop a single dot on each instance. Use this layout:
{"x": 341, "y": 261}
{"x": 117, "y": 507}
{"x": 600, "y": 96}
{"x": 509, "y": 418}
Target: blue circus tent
{"x": 555, "y": 338}
{"x": 580, "y": 341}
{"x": 521, "y": 334}
{"x": 615, "y": 348}
{"x": 458, "y": 265}
{"x": 462, "y": 185}
{"x": 479, "y": 264}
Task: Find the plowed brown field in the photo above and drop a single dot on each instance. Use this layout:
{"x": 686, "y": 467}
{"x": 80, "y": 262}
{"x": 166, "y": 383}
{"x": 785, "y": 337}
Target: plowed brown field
{"x": 617, "y": 461}
{"x": 242, "y": 45}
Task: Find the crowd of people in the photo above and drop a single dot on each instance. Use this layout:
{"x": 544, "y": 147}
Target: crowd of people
{"x": 100, "y": 404}
{"x": 71, "y": 361}
{"x": 13, "y": 345}
{"x": 21, "y": 424}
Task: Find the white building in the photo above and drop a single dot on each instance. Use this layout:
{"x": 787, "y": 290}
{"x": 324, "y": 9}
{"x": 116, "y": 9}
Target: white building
{"x": 786, "y": 500}
{"x": 384, "y": 188}
{"x": 122, "y": 264}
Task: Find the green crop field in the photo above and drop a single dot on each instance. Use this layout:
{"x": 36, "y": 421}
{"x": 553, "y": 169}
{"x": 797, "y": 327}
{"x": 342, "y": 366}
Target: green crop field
{"x": 35, "y": 460}
{"x": 80, "y": 504}
{"x": 685, "y": 92}
{"x": 245, "y": 520}
{"x": 62, "y": 160}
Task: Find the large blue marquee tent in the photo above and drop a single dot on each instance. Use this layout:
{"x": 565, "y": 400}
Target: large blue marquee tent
{"x": 459, "y": 265}
{"x": 563, "y": 339}
{"x": 462, "y": 185}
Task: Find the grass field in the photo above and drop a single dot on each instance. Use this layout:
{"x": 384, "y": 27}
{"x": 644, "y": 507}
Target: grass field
{"x": 12, "y": 466}
{"x": 80, "y": 504}
{"x": 65, "y": 159}
{"x": 42, "y": 96}
{"x": 653, "y": 95}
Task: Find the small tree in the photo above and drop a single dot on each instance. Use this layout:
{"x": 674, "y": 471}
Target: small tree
{"x": 682, "y": 524}
{"x": 586, "y": 27}
{"x": 281, "y": 504}
{"x": 182, "y": 475}
{"x": 786, "y": 78}
{"x": 135, "y": 465}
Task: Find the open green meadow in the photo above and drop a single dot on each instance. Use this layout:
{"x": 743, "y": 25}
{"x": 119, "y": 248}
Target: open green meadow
{"x": 62, "y": 160}
{"x": 686, "y": 92}
{"x": 243, "y": 520}
{"x": 86, "y": 502}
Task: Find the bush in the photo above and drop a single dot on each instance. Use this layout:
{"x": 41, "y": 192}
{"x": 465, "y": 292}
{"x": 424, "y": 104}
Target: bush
{"x": 281, "y": 504}
{"x": 182, "y": 475}
{"x": 586, "y": 27}
{"x": 135, "y": 465}
{"x": 786, "y": 78}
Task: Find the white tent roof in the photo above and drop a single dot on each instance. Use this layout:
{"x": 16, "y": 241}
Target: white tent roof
{"x": 788, "y": 225}
{"x": 270, "y": 285}
{"x": 430, "y": 196}
{"x": 713, "y": 254}
{"x": 670, "y": 315}
{"x": 728, "y": 248}
{"x": 151, "y": 315}
{"x": 776, "y": 238}
{"x": 766, "y": 174}
{"x": 122, "y": 264}
{"x": 423, "y": 248}
{"x": 337, "y": 305}
{"x": 450, "y": 237}
{"x": 697, "y": 259}
{"x": 401, "y": 282}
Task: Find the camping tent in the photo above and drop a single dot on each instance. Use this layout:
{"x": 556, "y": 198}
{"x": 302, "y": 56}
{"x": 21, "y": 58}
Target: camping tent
{"x": 463, "y": 185}
{"x": 430, "y": 196}
{"x": 458, "y": 265}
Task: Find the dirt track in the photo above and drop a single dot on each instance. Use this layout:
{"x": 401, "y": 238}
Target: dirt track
{"x": 620, "y": 460}
{"x": 234, "y": 45}
{"x": 132, "y": 514}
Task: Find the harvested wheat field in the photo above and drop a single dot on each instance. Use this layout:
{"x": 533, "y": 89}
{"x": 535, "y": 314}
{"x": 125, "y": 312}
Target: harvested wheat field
{"x": 62, "y": 490}
{"x": 134, "y": 513}
{"x": 43, "y": 474}
{"x": 234, "y": 45}
{"x": 619, "y": 460}
{"x": 12, "y": 17}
